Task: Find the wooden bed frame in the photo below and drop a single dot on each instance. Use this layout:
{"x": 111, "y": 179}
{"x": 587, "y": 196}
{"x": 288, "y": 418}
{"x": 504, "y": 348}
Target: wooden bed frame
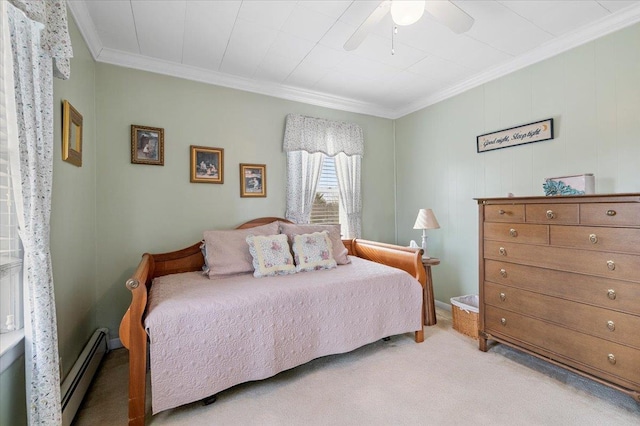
{"x": 134, "y": 337}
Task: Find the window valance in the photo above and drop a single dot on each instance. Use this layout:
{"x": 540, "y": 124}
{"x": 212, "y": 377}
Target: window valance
{"x": 319, "y": 135}
{"x": 55, "y": 38}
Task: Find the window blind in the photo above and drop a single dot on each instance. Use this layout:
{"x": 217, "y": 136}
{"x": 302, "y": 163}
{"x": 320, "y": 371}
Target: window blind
{"x": 326, "y": 204}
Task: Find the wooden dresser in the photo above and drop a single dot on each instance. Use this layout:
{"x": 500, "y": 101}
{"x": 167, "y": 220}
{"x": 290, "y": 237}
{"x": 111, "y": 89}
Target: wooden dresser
{"x": 560, "y": 279}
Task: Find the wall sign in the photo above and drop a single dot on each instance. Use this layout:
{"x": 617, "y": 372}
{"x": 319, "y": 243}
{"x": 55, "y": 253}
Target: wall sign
{"x": 528, "y": 133}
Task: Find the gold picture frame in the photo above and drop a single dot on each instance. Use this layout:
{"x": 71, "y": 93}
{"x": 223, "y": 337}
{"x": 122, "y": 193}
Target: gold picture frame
{"x": 147, "y": 145}
{"x": 207, "y": 164}
{"x": 71, "y": 134}
{"x": 253, "y": 180}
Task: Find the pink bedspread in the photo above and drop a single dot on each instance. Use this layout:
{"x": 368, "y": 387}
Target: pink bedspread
{"x": 208, "y": 335}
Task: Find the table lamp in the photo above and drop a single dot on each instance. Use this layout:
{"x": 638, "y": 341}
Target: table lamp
{"x": 426, "y": 220}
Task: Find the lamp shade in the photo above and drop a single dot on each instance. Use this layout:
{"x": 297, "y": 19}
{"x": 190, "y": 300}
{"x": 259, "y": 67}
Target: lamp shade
{"x": 426, "y": 220}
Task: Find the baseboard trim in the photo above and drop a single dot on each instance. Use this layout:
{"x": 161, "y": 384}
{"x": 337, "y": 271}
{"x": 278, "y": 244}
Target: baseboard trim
{"x": 443, "y": 305}
{"x": 115, "y": 343}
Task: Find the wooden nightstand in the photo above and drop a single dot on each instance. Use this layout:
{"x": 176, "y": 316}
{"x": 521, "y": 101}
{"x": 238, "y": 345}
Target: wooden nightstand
{"x": 430, "y": 308}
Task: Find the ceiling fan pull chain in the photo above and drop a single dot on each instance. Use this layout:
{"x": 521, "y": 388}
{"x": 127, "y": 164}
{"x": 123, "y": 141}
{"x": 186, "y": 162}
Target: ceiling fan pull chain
{"x": 394, "y": 30}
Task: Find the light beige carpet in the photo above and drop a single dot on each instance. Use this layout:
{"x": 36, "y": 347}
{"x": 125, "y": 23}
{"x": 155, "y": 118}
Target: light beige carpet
{"x": 444, "y": 381}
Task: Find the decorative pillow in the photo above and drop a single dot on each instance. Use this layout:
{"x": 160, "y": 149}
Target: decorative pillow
{"x": 271, "y": 255}
{"x": 313, "y": 251}
{"x": 228, "y": 251}
{"x": 339, "y": 250}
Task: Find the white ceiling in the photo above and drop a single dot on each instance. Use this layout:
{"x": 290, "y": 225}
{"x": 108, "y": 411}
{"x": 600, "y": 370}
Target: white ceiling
{"x": 293, "y": 49}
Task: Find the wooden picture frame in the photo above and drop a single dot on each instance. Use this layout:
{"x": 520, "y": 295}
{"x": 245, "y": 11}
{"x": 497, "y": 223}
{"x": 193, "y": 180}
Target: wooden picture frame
{"x": 253, "y": 180}
{"x": 147, "y": 145}
{"x": 207, "y": 164}
{"x": 71, "y": 134}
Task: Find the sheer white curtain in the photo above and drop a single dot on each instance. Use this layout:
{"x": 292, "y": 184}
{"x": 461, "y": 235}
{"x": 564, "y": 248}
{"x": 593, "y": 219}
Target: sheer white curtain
{"x": 348, "y": 172}
{"x": 303, "y": 171}
{"x": 306, "y": 141}
{"x": 34, "y": 46}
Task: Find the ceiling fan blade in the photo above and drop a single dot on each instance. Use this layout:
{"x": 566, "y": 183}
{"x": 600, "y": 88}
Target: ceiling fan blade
{"x": 450, "y": 15}
{"x": 365, "y": 28}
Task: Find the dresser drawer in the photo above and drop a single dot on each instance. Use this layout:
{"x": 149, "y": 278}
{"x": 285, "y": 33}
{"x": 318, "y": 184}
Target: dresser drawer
{"x": 609, "y": 325}
{"x": 552, "y": 213}
{"x": 604, "y": 264}
{"x": 621, "y": 296}
{"x": 504, "y": 213}
{"x": 610, "y": 214}
{"x": 615, "y": 362}
{"x": 625, "y": 240}
{"x": 517, "y": 232}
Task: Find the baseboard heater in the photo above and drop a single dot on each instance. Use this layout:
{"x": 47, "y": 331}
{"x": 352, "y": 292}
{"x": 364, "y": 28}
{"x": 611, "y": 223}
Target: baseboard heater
{"x": 77, "y": 382}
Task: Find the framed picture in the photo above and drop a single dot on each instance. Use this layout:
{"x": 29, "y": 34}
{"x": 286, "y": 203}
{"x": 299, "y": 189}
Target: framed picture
{"x": 71, "y": 134}
{"x": 519, "y": 135}
{"x": 207, "y": 164}
{"x": 253, "y": 180}
{"x": 147, "y": 145}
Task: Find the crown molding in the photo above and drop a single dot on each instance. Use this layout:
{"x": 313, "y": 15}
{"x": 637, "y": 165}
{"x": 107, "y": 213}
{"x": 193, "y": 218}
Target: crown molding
{"x": 566, "y": 42}
{"x": 159, "y": 66}
{"x": 85, "y": 24}
{"x": 600, "y": 28}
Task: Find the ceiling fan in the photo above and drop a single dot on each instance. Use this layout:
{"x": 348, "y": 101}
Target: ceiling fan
{"x": 408, "y": 12}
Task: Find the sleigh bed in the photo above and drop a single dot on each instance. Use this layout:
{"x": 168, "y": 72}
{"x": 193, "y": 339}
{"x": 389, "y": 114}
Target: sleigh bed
{"x": 207, "y": 335}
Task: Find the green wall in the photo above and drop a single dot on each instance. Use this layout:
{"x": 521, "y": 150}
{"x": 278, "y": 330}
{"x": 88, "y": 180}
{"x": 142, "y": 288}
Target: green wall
{"x": 13, "y": 404}
{"x": 73, "y": 211}
{"x": 593, "y": 94}
{"x": 144, "y": 208}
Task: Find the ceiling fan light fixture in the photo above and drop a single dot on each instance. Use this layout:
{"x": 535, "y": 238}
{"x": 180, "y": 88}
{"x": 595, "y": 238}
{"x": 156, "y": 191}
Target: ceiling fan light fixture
{"x": 406, "y": 12}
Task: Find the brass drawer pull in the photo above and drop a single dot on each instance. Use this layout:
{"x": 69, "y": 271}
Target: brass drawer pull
{"x": 501, "y": 212}
{"x": 611, "y": 294}
{"x": 503, "y": 321}
{"x": 513, "y": 232}
{"x": 611, "y": 212}
{"x": 551, "y": 214}
{"x": 593, "y": 238}
{"x": 611, "y": 265}
{"x": 503, "y": 297}
{"x": 612, "y": 359}
{"x": 503, "y": 251}
{"x": 611, "y": 325}
{"x": 503, "y": 272}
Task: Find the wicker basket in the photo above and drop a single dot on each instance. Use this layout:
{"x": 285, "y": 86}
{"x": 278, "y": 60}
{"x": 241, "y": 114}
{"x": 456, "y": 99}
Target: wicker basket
{"x": 464, "y": 310}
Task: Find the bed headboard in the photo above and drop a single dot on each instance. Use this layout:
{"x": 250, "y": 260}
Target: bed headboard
{"x": 190, "y": 258}
{"x": 261, "y": 221}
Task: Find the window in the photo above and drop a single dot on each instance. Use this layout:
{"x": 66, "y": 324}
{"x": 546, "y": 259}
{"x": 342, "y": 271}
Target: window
{"x": 10, "y": 247}
{"x": 323, "y": 172}
{"x": 326, "y": 203}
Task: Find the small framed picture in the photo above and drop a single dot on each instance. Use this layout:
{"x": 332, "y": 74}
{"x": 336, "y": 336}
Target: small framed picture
{"x": 207, "y": 164}
{"x": 147, "y": 145}
{"x": 71, "y": 134}
{"x": 253, "y": 180}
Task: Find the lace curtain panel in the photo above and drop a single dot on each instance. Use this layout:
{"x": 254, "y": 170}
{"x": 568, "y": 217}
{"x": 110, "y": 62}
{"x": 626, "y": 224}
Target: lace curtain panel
{"x": 39, "y": 42}
{"x": 303, "y": 172}
{"x": 348, "y": 172}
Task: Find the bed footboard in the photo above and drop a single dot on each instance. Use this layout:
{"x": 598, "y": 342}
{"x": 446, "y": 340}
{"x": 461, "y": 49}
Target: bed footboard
{"x": 406, "y": 258}
{"x": 134, "y": 338}
{"x": 132, "y": 332}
